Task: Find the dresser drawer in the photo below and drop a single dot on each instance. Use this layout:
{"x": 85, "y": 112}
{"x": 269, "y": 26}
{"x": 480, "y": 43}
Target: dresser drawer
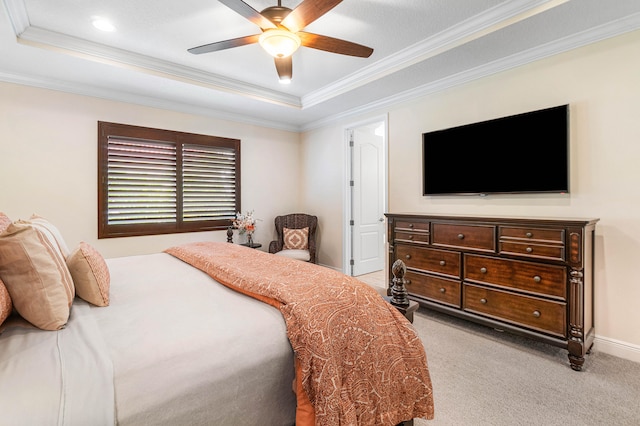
{"x": 532, "y": 250}
{"x": 531, "y": 312}
{"x": 409, "y": 225}
{"x": 541, "y": 234}
{"x": 412, "y": 237}
{"x": 429, "y": 260}
{"x": 547, "y": 280}
{"x": 434, "y": 288}
{"x": 479, "y": 237}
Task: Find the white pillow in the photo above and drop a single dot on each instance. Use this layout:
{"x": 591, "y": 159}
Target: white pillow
{"x": 295, "y": 254}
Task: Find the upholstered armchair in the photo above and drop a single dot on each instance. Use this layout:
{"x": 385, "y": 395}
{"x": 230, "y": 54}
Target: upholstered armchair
{"x": 293, "y": 230}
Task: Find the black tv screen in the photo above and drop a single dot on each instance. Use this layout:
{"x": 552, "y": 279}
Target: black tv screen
{"x": 524, "y": 153}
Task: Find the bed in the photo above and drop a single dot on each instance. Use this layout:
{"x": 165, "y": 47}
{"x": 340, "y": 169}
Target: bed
{"x": 173, "y": 346}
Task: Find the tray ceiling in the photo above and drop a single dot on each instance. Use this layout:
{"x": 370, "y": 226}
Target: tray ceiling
{"x": 420, "y": 46}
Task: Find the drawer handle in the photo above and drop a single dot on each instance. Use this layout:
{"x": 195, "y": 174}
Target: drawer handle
{"x": 537, "y": 278}
{"x": 407, "y": 282}
{"x": 411, "y": 237}
{"x": 461, "y": 236}
{"x": 483, "y": 270}
{"x": 528, "y": 235}
{"x": 529, "y": 250}
{"x": 407, "y": 256}
{"x": 411, "y": 225}
{"x": 483, "y": 301}
{"x": 442, "y": 263}
{"x": 536, "y": 314}
{"x": 443, "y": 290}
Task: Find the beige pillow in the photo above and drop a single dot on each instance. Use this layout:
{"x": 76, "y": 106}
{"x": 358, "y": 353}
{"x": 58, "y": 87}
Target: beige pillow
{"x": 5, "y": 303}
{"x": 90, "y": 274}
{"x": 36, "y": 276}
{"x": 51, "y": 231}
{"x": 296, "y": 239}
{"x": 4, "y": 222}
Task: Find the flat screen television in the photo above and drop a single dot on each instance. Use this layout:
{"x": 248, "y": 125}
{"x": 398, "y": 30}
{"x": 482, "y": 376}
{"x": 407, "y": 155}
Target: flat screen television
{"x": 523, "y": 153}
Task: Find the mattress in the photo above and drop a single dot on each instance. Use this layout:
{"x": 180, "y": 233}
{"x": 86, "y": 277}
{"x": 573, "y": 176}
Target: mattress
{"x": 173, "y": 348}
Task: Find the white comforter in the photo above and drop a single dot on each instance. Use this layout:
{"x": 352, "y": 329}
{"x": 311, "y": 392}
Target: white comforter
{"x": 174, "y": 347}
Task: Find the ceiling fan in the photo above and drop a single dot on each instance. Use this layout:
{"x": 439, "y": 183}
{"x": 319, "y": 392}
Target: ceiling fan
{"x": 282, "y": 33}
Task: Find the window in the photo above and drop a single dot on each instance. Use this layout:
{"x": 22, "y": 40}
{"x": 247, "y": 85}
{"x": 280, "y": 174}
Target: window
{"x": 154, "y": 181}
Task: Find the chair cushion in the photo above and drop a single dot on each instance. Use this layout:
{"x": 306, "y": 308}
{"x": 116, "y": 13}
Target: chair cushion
{"x": 296, "y": 239}
{"x": 295, "y": 254}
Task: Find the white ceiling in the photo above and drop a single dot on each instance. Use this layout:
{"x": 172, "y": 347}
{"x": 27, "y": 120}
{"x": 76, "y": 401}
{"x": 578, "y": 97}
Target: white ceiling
{"x": 420, "y": 46}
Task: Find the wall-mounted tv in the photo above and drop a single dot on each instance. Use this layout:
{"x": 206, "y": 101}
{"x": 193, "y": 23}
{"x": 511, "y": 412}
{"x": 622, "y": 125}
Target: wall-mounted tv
{"x": 523, "y": 153}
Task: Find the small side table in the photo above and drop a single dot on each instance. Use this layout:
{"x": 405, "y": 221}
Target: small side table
{"x": 252, "y": 245}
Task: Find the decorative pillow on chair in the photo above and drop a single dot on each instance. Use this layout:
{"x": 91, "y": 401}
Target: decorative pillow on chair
{"x": 36, "y": 276}
{"x": 90, "y": 274}
{"x": 296, "y": 239}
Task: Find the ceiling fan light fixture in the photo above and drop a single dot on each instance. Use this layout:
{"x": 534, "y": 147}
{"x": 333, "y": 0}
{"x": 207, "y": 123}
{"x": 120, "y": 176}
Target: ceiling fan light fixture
{"x": 279, "y": 43}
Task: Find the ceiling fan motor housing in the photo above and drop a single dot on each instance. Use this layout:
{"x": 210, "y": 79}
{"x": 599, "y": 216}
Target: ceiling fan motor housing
{"x": 276, "y": 14}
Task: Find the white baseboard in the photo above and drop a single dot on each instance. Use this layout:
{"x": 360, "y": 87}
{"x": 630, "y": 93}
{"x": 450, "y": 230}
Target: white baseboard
{"x": 617, "y": 348}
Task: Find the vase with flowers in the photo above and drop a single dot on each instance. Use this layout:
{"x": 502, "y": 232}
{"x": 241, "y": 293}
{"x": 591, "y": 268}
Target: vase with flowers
{"x": 245, "y": 224}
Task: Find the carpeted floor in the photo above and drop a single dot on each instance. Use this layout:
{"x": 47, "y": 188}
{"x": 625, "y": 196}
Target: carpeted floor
{"x": 484, "y": 377}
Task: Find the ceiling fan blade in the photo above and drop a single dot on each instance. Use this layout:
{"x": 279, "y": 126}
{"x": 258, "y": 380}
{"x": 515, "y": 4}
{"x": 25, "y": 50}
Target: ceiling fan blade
{"x": 307, "y": 12}
{"x": 248, "y": 12}
{"x": 284, "y": 66}
{"x": 226, "y": 44}
{"x": 334, "y": 45}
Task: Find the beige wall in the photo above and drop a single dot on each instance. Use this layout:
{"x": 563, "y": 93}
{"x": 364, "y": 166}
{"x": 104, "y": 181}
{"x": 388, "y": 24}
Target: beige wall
{"x": 48, "y": 164}
{"x": 602, "y": 84}
{"x": 323, "y": 162}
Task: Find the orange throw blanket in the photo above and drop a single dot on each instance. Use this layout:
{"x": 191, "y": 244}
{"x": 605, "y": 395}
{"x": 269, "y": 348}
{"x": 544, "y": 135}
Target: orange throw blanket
{"x": 361, "y": 361}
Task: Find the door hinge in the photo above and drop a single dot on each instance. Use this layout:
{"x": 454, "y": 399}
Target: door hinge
{"x": 351, "y": 262}
{"x": 351, "y": 183}
{"x": 351, "y": 222}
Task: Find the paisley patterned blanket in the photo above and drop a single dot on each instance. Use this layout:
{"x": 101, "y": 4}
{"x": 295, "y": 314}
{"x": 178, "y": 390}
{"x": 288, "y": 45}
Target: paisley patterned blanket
{"x": 361, "y": 362}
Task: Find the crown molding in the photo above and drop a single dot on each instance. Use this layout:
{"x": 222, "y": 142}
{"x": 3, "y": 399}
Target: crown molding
{"x": 39, "y": 37}
{"x": 479, "y": 25}
{"x": 18, "y": 16}
{"x": 594, "y": 35}
{"x": 165, "y": 104}
{"x": 500, "y": 15}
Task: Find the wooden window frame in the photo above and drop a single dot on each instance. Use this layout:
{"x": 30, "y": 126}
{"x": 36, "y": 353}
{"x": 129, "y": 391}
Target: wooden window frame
{"x": 124, "y": 131}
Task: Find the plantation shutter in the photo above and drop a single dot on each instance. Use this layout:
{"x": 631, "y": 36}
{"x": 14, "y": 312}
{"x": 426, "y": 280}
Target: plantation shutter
{"x": 154, "y": 181}
{"x": 141, "y": 182}
{"x": 209, "y": 182}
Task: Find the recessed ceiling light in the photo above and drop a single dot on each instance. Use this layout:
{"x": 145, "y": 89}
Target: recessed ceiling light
{"x": 103, "y": 24}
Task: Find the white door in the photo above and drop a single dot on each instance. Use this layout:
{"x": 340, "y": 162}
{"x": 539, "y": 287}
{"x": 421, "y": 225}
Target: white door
{"x": 368, "y": 199}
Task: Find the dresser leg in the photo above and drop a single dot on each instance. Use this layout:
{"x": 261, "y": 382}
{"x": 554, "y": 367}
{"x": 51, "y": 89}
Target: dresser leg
{"x": 576, "y": 362}
{"x": 576, "y": 355}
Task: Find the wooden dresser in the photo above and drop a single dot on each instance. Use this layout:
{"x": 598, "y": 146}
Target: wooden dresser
{"x": 529, "y": 276}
